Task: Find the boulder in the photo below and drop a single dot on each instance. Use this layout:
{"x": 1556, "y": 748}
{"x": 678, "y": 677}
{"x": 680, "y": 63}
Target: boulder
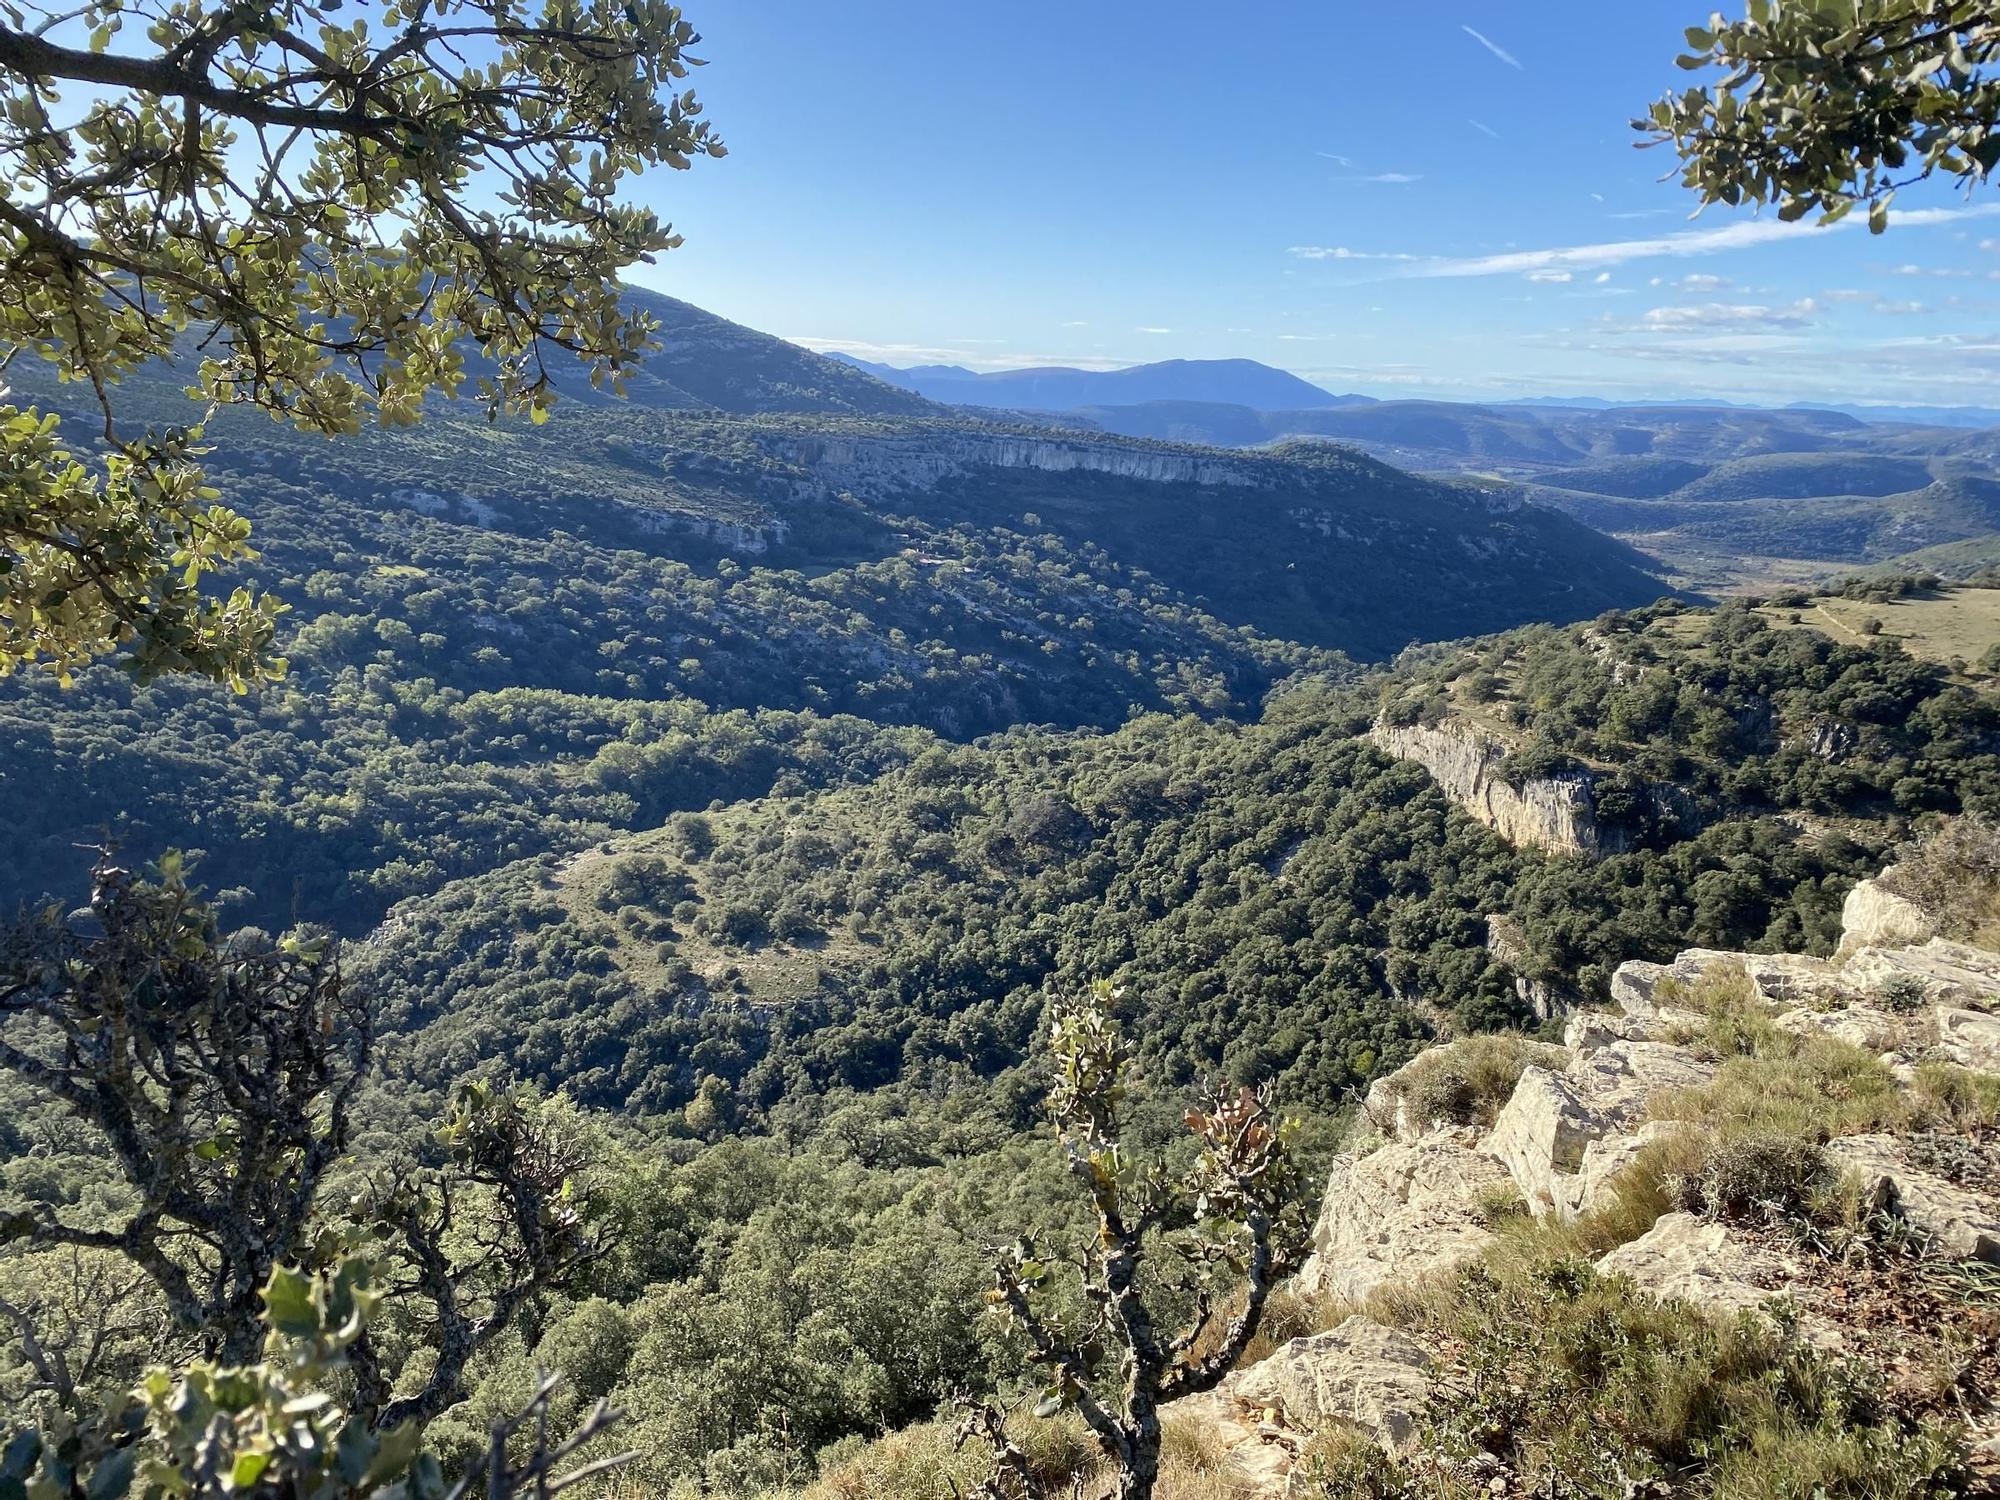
{"x": 1398, "y": 1212}
{"x": 1690, "y": 1259}
{"x": 1388, "y": 1108}
{"x": 1541, "y": 1135}
{"x": 1876, "y": 917}
{"x": 1632, "y": 986}
{"x": 1256, "y": 1459}
{"x": 1959, "y": 1224}
{"x": 1616, "y": 1081}
{"x": 1546, "y": 1129}
{"x": 1362, "y": 1372}
{"x": 1862, "y": 1025}
{"x": 1635, "y": 983}
{"x": 1383, "y": 1103}
{"x": 1795, "y": 979}
{"x": 1588, "y": 1030}
{"x": 1969, "y": 1038}
{"x": 1949, "y": 973}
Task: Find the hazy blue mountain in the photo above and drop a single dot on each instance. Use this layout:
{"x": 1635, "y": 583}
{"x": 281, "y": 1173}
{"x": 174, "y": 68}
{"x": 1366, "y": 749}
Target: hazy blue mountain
{"x": 1234, "y": 382}
{"x": 1927, "y": 416}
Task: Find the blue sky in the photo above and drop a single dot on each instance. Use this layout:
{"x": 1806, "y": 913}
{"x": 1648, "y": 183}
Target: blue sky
{"x": 1402, "y": 201}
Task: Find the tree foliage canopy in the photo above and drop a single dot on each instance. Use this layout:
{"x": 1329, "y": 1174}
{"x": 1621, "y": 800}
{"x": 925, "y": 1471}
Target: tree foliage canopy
{"x": 336, "y": 217}
{"x": 1824, "y": 106}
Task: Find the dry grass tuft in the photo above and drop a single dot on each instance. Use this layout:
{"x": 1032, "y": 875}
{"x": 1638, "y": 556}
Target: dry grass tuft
{"x": 1467, "y": 1082}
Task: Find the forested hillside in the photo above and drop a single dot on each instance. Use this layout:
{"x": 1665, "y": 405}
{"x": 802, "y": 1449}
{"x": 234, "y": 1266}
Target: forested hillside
{"x": 1283, "y": 901}
{"x": 1720, "y": 495}
{"x": 597, "y": 903}
{"x": 513, "y": 639}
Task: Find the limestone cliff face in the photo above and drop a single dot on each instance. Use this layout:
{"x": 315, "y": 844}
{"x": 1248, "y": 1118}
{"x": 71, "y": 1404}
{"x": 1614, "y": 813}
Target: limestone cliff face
{"x": 921, "y": 461}
{"x": 1558, "y": 813}
{"x": 731, "y": 537}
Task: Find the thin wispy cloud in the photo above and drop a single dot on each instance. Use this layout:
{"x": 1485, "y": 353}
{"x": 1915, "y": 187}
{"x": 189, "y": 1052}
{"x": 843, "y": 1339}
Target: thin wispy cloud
{"x": 1336, "y": 157}
{"x": 1729, "y": 317}
{"x": 1495, "y": 48}
{"x": 1341, "y": 252}
{"x": 1487, "y": 130}
{"x": 1393, "y": 177}
{"x": 1152, "y": 330}
{"x": 1618, "y": 252}
{"x": 1854, "y": 297}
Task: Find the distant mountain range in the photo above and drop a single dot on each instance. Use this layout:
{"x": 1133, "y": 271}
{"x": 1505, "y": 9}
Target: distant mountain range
{"x": 1264, "y": 389}
{"x": 1238, "y": 382}
{"x": 1719, "y": 492}
{"x": 1927, "y": 416}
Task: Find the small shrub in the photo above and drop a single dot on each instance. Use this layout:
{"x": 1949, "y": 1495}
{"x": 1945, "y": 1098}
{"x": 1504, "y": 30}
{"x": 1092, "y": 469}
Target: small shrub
{"x": 1468, "y": 1082}
{"x": 1498, "y": 1203}
{"x": 1903, "y": 993}
{"x": 1737, "y": 1021}
{"x": 1954, "y": 874}
{"x": 1440, "y": 1093}
{"x": 1763, "y": 1179}
{"x": 1956, "y": 1158}
{"x": 1576, "y": 1384}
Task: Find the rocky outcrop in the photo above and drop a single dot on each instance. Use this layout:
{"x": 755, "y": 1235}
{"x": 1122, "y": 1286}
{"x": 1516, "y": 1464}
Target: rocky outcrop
{"x": 1569, "y": 1129}
{"x": 1425, "y": 1202}
{"x": 1938, "y": 973}
{"x": 1377, "y": 1377}
{"x": 1554, "y": 1130}
{"x": 1508, "y": 945}
{"x": 1875, "y": 916}
{"x": 1541, "y": 1136}
{"x": 922, "y": 461}
{"x": 1707, "y": 1264}
{"x": 1957, "y": 1223}
{"x": 1969, "y": 1038}
{"x": 1557, "y": 813}
{"x": 1399, "y": 1211}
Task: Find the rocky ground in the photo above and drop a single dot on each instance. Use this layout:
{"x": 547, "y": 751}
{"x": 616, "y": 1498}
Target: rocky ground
{"x": 1425, "y": 1201}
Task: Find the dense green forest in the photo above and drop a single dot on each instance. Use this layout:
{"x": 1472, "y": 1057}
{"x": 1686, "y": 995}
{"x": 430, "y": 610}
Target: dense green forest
{"x": 517, "y": 639}
{"x": 670, "y": 916}
{"x": 797, "y": 1029}
{"x": 747, "y": 782}
{"x": 1286, "y": 902}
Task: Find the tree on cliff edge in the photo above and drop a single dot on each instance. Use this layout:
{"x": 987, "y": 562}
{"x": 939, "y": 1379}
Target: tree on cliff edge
{"x": 1214, "y": 1242}
{"x": 325, "y": 210}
